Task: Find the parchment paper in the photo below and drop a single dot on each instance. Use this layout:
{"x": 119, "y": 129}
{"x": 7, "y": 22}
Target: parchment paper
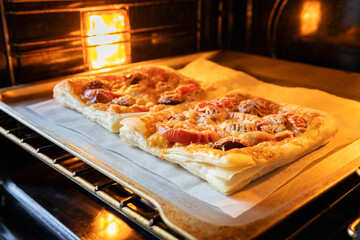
{"x": 344, "y": 147}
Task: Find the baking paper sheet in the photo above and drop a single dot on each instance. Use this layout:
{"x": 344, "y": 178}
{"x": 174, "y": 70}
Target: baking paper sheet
{"x": 343, "y": 147}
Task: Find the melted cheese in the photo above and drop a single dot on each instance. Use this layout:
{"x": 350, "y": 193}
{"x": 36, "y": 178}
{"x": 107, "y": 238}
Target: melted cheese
{"x": 156, "y": 140}
{"x": 249, "y": 127}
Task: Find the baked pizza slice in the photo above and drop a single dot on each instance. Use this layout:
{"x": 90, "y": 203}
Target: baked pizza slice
{"x": 231, "y": 140}
{"x": 108, "y": 98}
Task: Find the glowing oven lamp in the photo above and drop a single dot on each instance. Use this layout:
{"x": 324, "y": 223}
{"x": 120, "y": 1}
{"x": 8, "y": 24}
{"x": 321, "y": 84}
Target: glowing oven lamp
{"x": 106, "y": 41}
{"x": 310, "y": 17}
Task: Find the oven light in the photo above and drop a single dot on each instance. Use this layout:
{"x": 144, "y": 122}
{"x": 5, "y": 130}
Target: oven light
{"x": 107, "y": 38}
{"x": 112, "y": 228}
{"x": 310, "y": 17}
{"x": 108, "y": 226}
{"x": 111, "y": 217}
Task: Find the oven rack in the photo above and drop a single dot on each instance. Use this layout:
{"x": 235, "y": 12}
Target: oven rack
{"x": 123, "y": 200}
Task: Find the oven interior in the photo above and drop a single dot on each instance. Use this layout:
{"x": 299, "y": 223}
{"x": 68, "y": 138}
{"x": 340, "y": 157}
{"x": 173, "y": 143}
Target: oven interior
{"x": 51, "y": 206}
{"x": 47, "y": 39}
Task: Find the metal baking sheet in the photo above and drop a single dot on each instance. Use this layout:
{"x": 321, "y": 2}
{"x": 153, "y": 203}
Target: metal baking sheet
{"x": 187, "y": 215}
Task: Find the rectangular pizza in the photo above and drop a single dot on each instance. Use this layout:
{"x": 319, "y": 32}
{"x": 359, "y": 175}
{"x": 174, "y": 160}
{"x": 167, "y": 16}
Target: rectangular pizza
{"x": 231, "y": 140}
{"x": 108, "y": 98}
{"x": 228, "y": 140}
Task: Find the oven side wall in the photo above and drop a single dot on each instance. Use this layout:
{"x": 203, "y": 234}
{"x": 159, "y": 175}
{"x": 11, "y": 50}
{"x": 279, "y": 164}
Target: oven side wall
{"x": 4, "y": 71}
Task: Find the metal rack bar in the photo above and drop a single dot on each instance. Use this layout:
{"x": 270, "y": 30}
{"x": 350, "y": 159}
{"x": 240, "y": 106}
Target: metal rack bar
{"x": 103, "y": 185}
{"x": 16, "y": 129}
{"x": 82, "y": 171}
{"x": 131, "y": 199}
{"x": 46, "y": 147}
{"x": 60, "y": 159}
{"x": 120, "y": 203}
{"x": 353, "y": 228}
{"x": 154, "y": 220}
{"x": 25, "y": 139}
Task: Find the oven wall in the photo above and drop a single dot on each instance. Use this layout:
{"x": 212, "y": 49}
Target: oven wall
{"x": 4, "y": 72}
{"x": 46, "y": 39}
{"x": 318, "y": 32}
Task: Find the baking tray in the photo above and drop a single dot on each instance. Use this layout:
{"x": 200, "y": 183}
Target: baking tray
{"x": 186, "y": 214}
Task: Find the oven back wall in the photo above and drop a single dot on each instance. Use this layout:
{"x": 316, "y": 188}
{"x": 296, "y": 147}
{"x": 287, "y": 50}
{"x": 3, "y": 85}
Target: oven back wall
{"x": 317, "y": 32}
{"x": 46, "y": 40}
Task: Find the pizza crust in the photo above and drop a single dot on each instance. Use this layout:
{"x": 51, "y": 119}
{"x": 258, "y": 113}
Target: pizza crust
{"x": 229, "y": 171}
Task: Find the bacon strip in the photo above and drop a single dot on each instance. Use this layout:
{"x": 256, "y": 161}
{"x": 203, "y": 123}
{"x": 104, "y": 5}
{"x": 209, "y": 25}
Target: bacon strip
{"x": 223, "y": 102}
{"x": 184, "y": 89}
{"x": 176, "y": 96}
{"x": 187, "y": 136}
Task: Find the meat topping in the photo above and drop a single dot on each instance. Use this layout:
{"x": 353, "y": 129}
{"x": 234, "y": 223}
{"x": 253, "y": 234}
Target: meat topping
{"x": 96, "y": 84}
{"x": 257, "y": 106}
{"x": 134, "y": 78}
{"x": 277, "y": 123}
{"x": 176, "y": 96}
{"x": 124, "y": 101}
{"x": 228, "y": 143}
{"x": 170, "y": 98}
{"x": 100, "y": 95}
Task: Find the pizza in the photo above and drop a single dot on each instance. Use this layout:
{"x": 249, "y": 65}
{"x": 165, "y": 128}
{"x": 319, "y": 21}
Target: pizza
{"x": 108, "y": 98}
{"x": 230, "y": 140}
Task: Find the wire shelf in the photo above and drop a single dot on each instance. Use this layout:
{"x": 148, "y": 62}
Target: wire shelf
{"x": 134, "y": 207}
